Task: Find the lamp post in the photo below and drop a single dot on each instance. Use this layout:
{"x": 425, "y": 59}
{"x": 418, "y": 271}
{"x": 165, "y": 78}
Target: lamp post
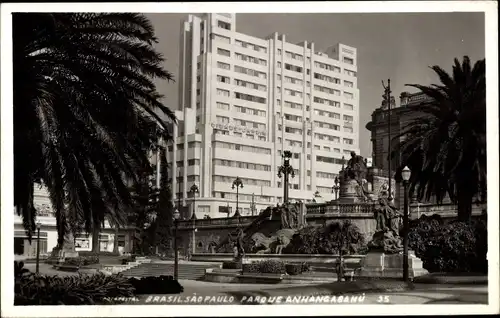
{"x": 387, "y": 97}
{"x": 406, "y": 174}
{"x": 38, "y": 225}
{"x": 194, "y": 190}
{"x": 286, "y": 169}
{"x": 237, "y": 183}
{"x": 177, "y": 215}
{"x": 336, "y": 187}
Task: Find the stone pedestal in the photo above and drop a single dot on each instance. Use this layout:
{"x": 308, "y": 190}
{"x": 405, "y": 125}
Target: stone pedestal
{"x": 381, "y": 265}
{"x": 67, "y": 250}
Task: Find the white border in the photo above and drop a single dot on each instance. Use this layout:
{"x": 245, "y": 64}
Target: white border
{"x": 491, "y": 29}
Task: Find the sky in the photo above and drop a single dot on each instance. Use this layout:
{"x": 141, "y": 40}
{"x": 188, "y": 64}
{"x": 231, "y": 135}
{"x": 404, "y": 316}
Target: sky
{"x": 399, "y": 46}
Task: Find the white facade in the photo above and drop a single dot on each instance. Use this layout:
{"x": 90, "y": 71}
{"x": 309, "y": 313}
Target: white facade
{"x": 244, "y": 100}
{"x": 48, "y": 232}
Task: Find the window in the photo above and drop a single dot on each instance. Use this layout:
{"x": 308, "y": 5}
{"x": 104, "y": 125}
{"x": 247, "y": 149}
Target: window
{"x": 223, "y": 66}
{"x": 279, "y": 64}
{"x": 348, "y": 95}
{"x": 198, "y": 79}
{"x": 198, "y": 92}
{"x": 291, "y": 92}
{"x": 250, "y": 72}
{"x": 348, "y": 60}
{"x": 222, "y": 106}
{"x": 293, "y": 68}
{"x": 223, "y": 79}
{"x": 224, "y": 25}
{"x": 221, "y": 38}
{"x": 223, "y": 52}
{"x": 348, "y": 141}
{"x": 192, "y": 162}
{"x": 197, "y": 119}
{"x": 348, "y": 118}
{"x": 348, "y": 106}
{"x": 222, "y": 119}
{"x": 198, "y": 65}
{"x": 349, "y": 72}
{"x": 198, "y": 105}
{"x": 348, "y": 129}
{"x": 222, "y": 92}
{"x": 279, "y": 51}
{"x": 251, "y": 98}
{"x": 348, "y": 84}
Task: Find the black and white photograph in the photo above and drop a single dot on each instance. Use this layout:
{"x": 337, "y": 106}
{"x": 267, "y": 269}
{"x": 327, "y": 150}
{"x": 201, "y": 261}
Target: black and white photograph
{"x": 194, "y": 158}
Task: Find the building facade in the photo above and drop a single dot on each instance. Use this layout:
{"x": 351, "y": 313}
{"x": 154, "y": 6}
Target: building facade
{"x": 243, "y": 101}
{"x": 379, "y": 127}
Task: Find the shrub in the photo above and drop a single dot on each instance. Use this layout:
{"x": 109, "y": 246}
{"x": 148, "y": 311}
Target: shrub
{"x": 294, "y": 269}
{"x": 82, "y": 260}
{"x": 101, "y": 253}
{"x": 272, "y": 267}
{"x": 327, "y": 239}
{"x": 71, "y": 290}
{"x": 156, "y": 285}
{"x": 452, "y": 247}
{"x": 251, "y": 268}
{"x": 19, "y": 270}
{"x": 231, "y": 265}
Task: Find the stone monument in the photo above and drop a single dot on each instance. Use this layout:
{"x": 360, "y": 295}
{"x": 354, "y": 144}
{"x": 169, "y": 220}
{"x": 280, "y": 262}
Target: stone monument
{"x": 353, "y": 184}
{"x": 385, "y": 255}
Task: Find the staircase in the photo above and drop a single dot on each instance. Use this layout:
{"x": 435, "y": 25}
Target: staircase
{"x": 191, "y": 271}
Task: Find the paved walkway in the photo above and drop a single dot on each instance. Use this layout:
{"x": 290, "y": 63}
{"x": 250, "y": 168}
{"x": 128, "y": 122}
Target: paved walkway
{"x": 422, "y": 294}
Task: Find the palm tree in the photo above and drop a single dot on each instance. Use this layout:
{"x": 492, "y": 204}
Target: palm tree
{"x": 445, "y": 147}
{"x": 83, "y": 99}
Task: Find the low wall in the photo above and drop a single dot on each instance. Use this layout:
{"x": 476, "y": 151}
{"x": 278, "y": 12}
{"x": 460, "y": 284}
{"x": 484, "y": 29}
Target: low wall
{"x": 195, "y": 236}
{"x": 318, "y": 260}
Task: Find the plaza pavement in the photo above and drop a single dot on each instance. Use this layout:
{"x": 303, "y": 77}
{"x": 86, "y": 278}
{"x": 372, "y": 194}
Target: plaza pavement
{"x": 421, "y": 294}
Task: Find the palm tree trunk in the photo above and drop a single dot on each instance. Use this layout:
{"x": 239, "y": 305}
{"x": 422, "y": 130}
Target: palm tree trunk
{"x": 96, "y": 229}
{"x": 115, "y": 246}
{"x": 464, "y": 205}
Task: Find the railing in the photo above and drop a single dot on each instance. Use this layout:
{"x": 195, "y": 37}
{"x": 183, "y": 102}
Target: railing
{"x": 345, "y": 208}
{"x": 219, "y": 221}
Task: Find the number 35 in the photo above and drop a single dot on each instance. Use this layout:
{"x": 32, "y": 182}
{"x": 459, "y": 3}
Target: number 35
{"x": 383, "y": 299}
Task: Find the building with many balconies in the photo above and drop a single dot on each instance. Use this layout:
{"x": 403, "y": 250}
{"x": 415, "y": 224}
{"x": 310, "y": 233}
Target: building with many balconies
{"x": 243, "y": 101}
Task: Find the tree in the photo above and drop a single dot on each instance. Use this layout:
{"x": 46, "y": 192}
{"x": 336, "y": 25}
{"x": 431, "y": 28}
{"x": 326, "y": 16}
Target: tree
{"x": 84, "y": 98}
{"x": 445, "y": 147}
{"x": 164, "y": 221}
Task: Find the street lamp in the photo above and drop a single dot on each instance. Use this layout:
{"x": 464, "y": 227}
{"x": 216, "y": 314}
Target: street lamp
{"x": 336, "y": 187}
{"x": 238, "y": 184}
{"x": 38, "y": 225}
{"x": 286, "y": 169}
{"x": 177, "y": 215}
{"x": 387, "y": 98}
{"x": 194, "y": 190}
{"x": 406, "y": 174}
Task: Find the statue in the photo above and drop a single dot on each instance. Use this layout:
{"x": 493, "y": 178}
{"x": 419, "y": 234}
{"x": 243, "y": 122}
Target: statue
{"x": 385, "y": 215}
{"x": 356, "y": 170}
{"x": 240, "y": 251}
{"x": 282, "y": 241}
{"x": 386, "y": 235}
{"x": 289, "y": 216}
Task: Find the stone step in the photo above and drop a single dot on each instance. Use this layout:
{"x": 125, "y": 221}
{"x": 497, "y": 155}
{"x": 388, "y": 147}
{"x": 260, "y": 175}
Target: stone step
{"x": 185, "y": 271}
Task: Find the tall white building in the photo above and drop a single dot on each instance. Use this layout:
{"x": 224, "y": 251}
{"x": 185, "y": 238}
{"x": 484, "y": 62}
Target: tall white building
{"x": 244, "y": 100}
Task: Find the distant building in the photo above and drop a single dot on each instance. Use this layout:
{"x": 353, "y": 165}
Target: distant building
{"x": 243, "y": 101}
{"x": 400, "y": 116}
